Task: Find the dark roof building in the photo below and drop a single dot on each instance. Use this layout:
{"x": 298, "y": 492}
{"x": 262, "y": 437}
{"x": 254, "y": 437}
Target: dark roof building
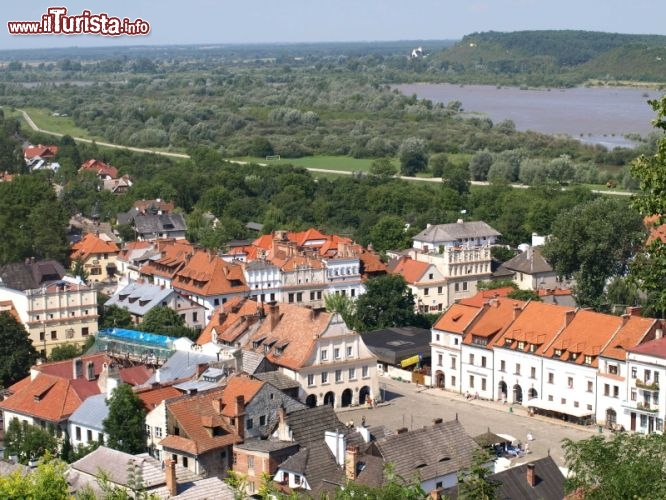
{"x": 395, "y": 344}
{"x": 30, "y": 275}
{"x": 151, "y": 226}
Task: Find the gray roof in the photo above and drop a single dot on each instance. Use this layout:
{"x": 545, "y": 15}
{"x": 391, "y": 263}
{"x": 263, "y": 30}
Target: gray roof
{"x": 309, "y": 426}
{"x": 528, "y": 262}
{"x": 91, "y": 412}
{"x": 277, "y": 379}
{"x": 202, "y": 489}
{"x": 316, "y": 464}
{"x": 147, "y": 224}
{"x": 139, "y": 298}
{"x": 266, "y": 445}
{"x": 258, "y": 265}
{"x": 254, "y": 226}
{"x": 251, "y": 361}
{"x": 433, "y": 451}
{"x": 439, "y": 233}
{"x": 392, "y": 345}
{"x": 31, "y": 275}
{"x": 181, "y": 365}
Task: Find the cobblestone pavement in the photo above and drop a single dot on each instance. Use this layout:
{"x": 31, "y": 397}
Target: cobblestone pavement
{"x": 405, "y": 405}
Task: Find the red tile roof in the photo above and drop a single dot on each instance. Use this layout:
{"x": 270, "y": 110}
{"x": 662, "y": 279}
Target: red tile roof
{"x": 153, "y": 396}
{"x": 484, "y": 296}
{"x": 586, "y": 335}
{"x": 634, "y": 332}
{"x": 100, "y": 168}
{"x": 456, "y": 318}
{"x": 537, "y": 324}
{"x": 47, "y": 397}
{"x": 494, "y": 319}
{"x": 656, "y": 348}
{"x": 174, "y": 255}
{"x": 41, "y": 151}
{"x": 293, "y": 328}
{"x": 231, "y": 320}
{"x": 92, "y": 245}
{"x": 206, "y": 274}
{"x": 410, "y": 269}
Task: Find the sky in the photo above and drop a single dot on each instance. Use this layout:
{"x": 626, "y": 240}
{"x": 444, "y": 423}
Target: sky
{"x": 265, "y": 21}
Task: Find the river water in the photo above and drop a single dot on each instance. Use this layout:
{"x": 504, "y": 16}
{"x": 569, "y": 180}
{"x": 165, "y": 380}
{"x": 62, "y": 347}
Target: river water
{"x": 598, "y": 115}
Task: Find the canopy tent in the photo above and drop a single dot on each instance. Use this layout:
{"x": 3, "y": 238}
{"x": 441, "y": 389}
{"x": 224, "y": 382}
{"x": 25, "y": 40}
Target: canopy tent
{"x": 490, "y": 439}
{"x": 552, "y": 406}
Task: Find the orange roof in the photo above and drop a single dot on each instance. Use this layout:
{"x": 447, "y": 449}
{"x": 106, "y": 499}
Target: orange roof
{"x": 494, "y": 318}
{"x": 410, "y": 269}
{"x": 484, "y": 296}
{"x": 298, "y": 262}
{"x": 586, "y": 335}
{"x": 239, "y": 385}
{"x": 306, "y": 238}
{"x": 231, "y": 319}
{"x": 294, "y": 330}
{"x": 632, "y": 333}
{"x": 206, "y": 274}
{"x": 265, "y": 241}
{"x": 456, "y": 318}
{"x": 538, "y": 324}
{"x": 153, "y": 396}
{"x": 41, "y": 151}
{"x": 92, "y": 245}
{"x": 174, "y": 255}
{"x": 100, "y": 168}
{"x": 47, "y": 397}
{"x": 196, "y": 415}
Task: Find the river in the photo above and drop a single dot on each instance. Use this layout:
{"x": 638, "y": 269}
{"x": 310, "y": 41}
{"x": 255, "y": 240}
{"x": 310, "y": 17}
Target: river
{"x": 597, "y": 115}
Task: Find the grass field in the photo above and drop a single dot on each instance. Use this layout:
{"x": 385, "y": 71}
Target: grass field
{"x": 344, "y": 163}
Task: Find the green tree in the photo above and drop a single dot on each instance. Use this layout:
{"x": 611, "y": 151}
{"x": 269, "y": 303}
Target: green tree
{"x": 383, "y": 167}
{"x": 649, "y": 268}
{"x": 343, "y": 305}
{"x": 28, "y": 441}
{"x": 593, "y": 242}
{"x": 479, "y": 165}
{"x": 125, "y": 425}
{"x": 48, "y": 481}
{"x": 17, "y": 354}
{"x": 165, "y": 321}
{"x": 261, "y": 147}
{"x": 387, "y": 302}
{"x": 65, "y": 351}
{"x": 627, "y": 465}
{"x": 79, "y": 269}
{"x": 524, "y": 295}
{"x": 476, "y": 484}
{"x": 413, "y": 155}
{"x": 115, "y": 317}
{"x": 495, "y": 284}
{"x": 389, "y": 234}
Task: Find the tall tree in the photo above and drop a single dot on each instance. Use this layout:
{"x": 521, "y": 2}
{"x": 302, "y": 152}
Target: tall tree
{"x": 649, "y": 267}
{"x": 627, "y": 465}
{"x": 115, "y": 317}
{"x": 476, "y": 484}
{"x": 593, "y": 242}
{"x": 17, "y": 354}
{"x": 387, "y": 302}
{"x": 48, "y": 481}
{"x": 28, "y": 441}
{"x": 125, "y": 425}
{"x": 165, "y": 321}
{"x": 413, "y": 155}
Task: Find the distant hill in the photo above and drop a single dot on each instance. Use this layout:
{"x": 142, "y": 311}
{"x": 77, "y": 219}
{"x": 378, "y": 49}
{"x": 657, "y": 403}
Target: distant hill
{"x": 555, "y": 57}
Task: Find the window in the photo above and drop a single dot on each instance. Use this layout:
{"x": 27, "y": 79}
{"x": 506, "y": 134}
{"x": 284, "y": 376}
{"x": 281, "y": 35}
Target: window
{"x": 352, "y": 374}
{"x": 616, "y": 391}
{"x": 185, "y": 462}
{"x": 324, "y": 377}
{"x": 310, "y": 380}
{"x": 634, "y": 372}
{"x": 464, "y": 286}
{"x": 78, "y": 433}
{"x": 483, "y": 384}
{"x": 365, "y": 371}
{"x": 235, "y": 458}
{"x": 338, "y": 375}
{"x": 517, "y": 369}
{"x": 249, "y": 424}
{"x": 453, "y": 363}
{"x": 336, "y": 353}
{"x": 457, "y": 287}
{"x": 54, "y": 335}
{"x": 646, "y": 375}
{"x": 656, "y": 377}
{"x": 590, "y": 386}
{"x": 437, "y": 337}
{"x": 324, "y": 354}
{"x": 551, "y": 378}
{"x": 431, "y": 276}
{"x": 471, "y": 381}
{"x": 576, "y": 405}
{"x": 563, "y": 401}
{"x": 262, "y": 420}
{"x": 299, "y": 297}
{"x": 426, "y": 291}
{"x": 633, "y": 395}
{"x": 532, "y": 372}
{"x": 471, "y": 359}
{"x": 587, "y": 360}
{"x": 656, "y": 398}
{"x": 550, "y": 398}
{"x": 521, "y": 345}
{"x": 483, "y": 361}
{"x": 453, "y": 381}
{"x": 349, "y": 351}
{"x": 291, "y": 298}
{"x": 89, "y": 435}
{"x": 440, "y": 359}
{"x": 612, "y": 369}
{"x": 42, "y": 335}
{"x": 589, "y": 407}
{"x": 85, "y": 331}
{"x": 570, "y": 382}
{"x": 158, "y": 432}
{"x": 250, "y": 462}
{"x": 606, "y": 390}
{"x": 439, "y": 290}
{"x": 502, "y": 366}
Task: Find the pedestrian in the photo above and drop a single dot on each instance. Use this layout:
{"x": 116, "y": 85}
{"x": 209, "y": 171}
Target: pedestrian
{"x": 363, "y": 421}
{"x": 530, "y": 437}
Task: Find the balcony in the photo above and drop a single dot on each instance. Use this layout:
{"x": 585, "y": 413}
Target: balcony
{"x": 647, "y": 407}
{"x": 652, "y": 386}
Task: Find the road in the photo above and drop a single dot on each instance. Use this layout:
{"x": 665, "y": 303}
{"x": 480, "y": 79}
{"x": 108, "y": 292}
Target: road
{"x": 34, "y": 127}
{"x": 414, "y": 408}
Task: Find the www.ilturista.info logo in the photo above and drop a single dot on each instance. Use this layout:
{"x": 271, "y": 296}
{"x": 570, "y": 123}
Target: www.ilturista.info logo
{"x": 57, "y": 22}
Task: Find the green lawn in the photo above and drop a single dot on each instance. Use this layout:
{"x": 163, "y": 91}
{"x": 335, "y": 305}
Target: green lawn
{"x": 344, "y": 163}
{"x": 45, "y": 120}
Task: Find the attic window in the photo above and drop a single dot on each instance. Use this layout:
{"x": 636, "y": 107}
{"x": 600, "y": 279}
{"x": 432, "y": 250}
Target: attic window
{"x": 588, "y": 360}
{"x": 532, "y": 347}
{"x": 508, "y": 341}
{"x": 574, "y": 356}
{"x": 557, "y": 353}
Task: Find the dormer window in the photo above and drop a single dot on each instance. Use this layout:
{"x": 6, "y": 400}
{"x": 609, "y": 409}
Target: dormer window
{"x": 557, "y": 353}
{"x": 532, "y": 347}
{"x": 521, "y": 345}
{"x": 588, "y": 360}
{"x": 508, "y": 341}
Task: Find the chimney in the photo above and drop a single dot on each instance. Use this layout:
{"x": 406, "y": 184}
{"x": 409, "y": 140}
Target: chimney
{"x": 625, "y": 319}
{"x": 240, "y": 416}
{"x": 434, "y": 494}
{"x": 634, "y": 310}
{"x": 531, "y": 474}
{"x": 401, "y": 430}
{"x": 516, "y": 311}
{"x": 171, "y": 484}
{"x": 90, "y": 370}
{"x": 437, "y": 421}
{"x": 351, "y": 462}
{"x": 659, "y": 333}
{"x": 77, "y": 368}
{"x": 274, "y": 315}
{"x": 568, "y": 316}
{"x": 282, "y": 415}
